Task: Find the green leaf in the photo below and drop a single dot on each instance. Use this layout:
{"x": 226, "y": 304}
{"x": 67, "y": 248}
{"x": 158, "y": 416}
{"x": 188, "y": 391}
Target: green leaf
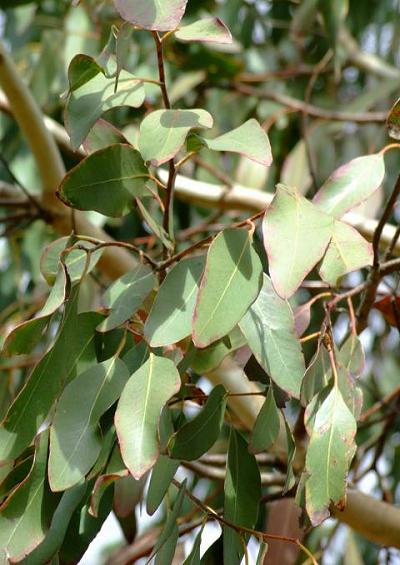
{"x": 101, "y": 135}
{"x": 296, "y": 235}
{"x": 352, "y": 355}
{"x": 206, "y": 30}
{"x": 154, "y": 226}
{"x": 351, "y": 184}
{"x": 296, "y": 170}
{"x": 163, "y": 132}
{"x": 89, "y": 99}
{"x": 58, "y": 528}
{"x": 248, "y": 139}
{"x": 329, "y": 454}
{"x": 242, "y": 495}
{"x": 165, "y": 555}
{"x": 266, "y": 428}
{"x": 231, "y": 282}
{"x": 317, "y": 375}
{"x": 156, "y": 15}
{"x": 126, "y": 295}
{"x": 170, "y": 318}
{"x": 72, "y": 352}
{"x": 194, "y": 556}
{"x": 171, "y": 523}
{"x": 75, "y": 260}
{"x": 347, "y": 251}
{"x": 26, "y": 516}
{"x": 269, "y": 328}
{"x": 207, "y": 359}
{"x": 198, "y": 436}
{"x": 75, "y": 438}
{"x": 138, "y": 412}
{"x": 291, "y": 454}
{"x": 106, "y": 181}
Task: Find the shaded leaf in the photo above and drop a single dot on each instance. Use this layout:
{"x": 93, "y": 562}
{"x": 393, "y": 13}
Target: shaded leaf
{"x": 266, "y": 428}
{"x": 106, "y": 181}
{"x": 170, "y": 318}
{"x": 269, "y": 328}
{"x": 197, "y": 436}
{"x": 75, "y": 438}
{"x": 352, "y": 355}
{"x": 101, "y": 135}
{"x": 25, "y": 517}
{"x": 154, "y": 226}
{"x": 347, "y": 251}
{"x": 207, "y": 359}
{"x": 165, "y": 555}
{"x": 139, "y": 409}
{"x": 170, "y": 523}
{"x": 155, "y": 15}
{"x": 126, "y": 295}
{"x": 291, "y": 454}
{"x": 206, "y": 30}
{"x": 393, "y": 121}
{"x": 163, "y": 132}
{"x": 329, "y": 454}
{"x": 87, "y": 102}
{"x": 72, "y": 352}
{"x": 317, "y": 375}
{"x": 242, "y": 495}
{"x": 351, "y": 184}
{"x": 194, "y": 556}
{"x": 295, "y": 169}
{"x": 249, "y": 140}
{"x": 296, "y": 235}
{"x": 389, "y": 306}
{"x": 231, "y": 282}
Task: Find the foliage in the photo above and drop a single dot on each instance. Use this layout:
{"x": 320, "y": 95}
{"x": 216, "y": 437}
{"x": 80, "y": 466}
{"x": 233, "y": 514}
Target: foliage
{"x": 168, "y": 343}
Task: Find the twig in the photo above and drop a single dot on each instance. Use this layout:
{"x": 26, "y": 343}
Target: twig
{"x": 379, "y": 405}
{"x": 218, "y": 473}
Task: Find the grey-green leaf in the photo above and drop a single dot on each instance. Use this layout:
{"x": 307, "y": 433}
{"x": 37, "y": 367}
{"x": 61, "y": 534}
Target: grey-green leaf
{"x": 106, "y": 181}
{"x": 157, "y": 15}
{"x": 139, "y": 409}
{"x": 163, "y": 132}
{"x": 126, "y": 295}
{"x": 242, "y": 495}
{"x": 197, "y": 436}
{"x": 206, "y": 30}
{"x": 266, "y": 428}
{"x": 296, "y": 235}
{"x": 249, "y": 140}
{"x": 230, "y": 284}
{"x": 269, "y": 328}
{"x": 170, "y": 318}
{"x": 75, "y": 439}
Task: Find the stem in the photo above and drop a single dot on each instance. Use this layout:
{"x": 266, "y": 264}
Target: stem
{"x": 168, "y": 200}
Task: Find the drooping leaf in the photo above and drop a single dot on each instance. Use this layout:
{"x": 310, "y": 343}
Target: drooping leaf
{"x": 266, "y": 428}
{"x": 347, "y": 251}
{"x": 26, "y": 516}
{"x": 89, "y": 100}
{"x": 207, "y": 359}
{"x": 75, "y": 439}
{"x": 75, "y": 261}
{"x": 206, "y": 30}
{"x": 231, "y": 282}
{"x": 170, "y": 318}
{"x": 155, "y": 226}
{"x": 249, "y": 140}
{"x": 163, "y": 132}
{"x": 317, "y": 375}
{"x": 125, "y": 296}
{"x": 106, "y": 181}
{"x": 242, "y": 495}
{"x": 296, "y": 235}
{"x": 291, "y": 454}
{"x": 72, "y": 352}
{"x": 352, "y": 355}
{"x": 114, "y": 472}
{"x": 165, "y": 554}
{"x": 295, "y": 169}
{"x": 170, "y": 523}
{"x": 269, "y": 328}
{"x": 329, "y": 454}
{"x": 139, "y": 409}
{"x": 197, "y": 436}
{"x": 194, "y": 556}
{"x": 156, "y": 15}
{"x": 351, "y": 184}
{"x": 59, "y": 524}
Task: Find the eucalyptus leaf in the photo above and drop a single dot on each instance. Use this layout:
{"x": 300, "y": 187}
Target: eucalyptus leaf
{"x": 206, "y": 30}
{"x": 106, "y": 181}
{"x": 163, "y": 132}
{"x": 266, "y": 428}
{"x": 230, "y": 284}
{"x": 296, "y": 235}
{"x": 156, "y": 15}
{"x": 170, "y": 318}
{"x": 139, "y": 409}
